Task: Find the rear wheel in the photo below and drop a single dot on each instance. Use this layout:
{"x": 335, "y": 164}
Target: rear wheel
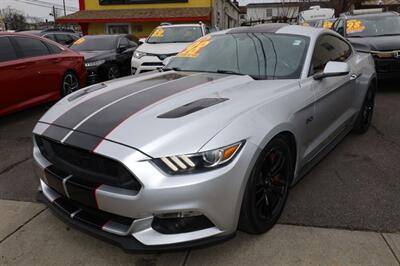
{"x": 364, "y": 118}
{"x": 267, "y": 188}
{"x": 70, "y": 83}
{"x": 112, "y": 73}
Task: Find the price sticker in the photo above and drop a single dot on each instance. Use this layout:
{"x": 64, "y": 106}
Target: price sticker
{"x": 354, "y": 26}
{"x": 193, "y": 50}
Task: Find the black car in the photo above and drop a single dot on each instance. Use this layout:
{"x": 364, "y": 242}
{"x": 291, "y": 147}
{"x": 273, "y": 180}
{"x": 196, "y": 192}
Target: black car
{"x": 378, "y": 34}
{"x": 63, "y": 37}
{"x": 106, "y": 56}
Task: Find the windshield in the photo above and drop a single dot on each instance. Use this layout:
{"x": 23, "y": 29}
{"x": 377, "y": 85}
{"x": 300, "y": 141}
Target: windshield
{"x": 98, "y": 43}
{"x": 260, "y": 55}
{"x": 175, "y": 34}
{"x": 373, "y": 26}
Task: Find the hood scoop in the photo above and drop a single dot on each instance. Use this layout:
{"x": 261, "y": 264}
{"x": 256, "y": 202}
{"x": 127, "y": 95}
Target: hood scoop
{"x": 192, "y": 107}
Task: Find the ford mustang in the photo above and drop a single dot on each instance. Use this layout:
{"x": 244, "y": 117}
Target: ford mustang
{"x": 212, "y": 143}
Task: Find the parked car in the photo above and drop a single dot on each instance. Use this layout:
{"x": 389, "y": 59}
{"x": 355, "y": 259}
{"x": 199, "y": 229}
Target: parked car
{"x": 106, "y": 56}
{"x": 375, "y": 33}
{"x": 325, "y": 23}
{"x": 165, "y": 41}
{"x": 212, "y": 143}
{"x": 34, "y": 70}
{"x": 66, "y": 37}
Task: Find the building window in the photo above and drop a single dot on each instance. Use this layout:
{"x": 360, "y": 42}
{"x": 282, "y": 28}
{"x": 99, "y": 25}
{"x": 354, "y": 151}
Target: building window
{"x": 118, "y": 28}
{"x": 269, "y": 12}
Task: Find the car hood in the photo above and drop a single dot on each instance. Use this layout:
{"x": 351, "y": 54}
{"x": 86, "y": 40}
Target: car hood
{"x": 160, "y": 114}
{"x": 162, "y": 48}
{"x": 381, "y": 43}
{"x": 95, "y": 55}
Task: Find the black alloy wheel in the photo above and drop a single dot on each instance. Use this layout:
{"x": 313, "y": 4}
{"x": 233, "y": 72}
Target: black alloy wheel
{"x": 112, "y": 73}
{"x": 364, "y": 118}
{"x": 267, "y": 188}
{"x": 70, "y": 83}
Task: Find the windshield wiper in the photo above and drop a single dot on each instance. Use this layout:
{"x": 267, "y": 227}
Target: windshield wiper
{"x": 223, "y": 71}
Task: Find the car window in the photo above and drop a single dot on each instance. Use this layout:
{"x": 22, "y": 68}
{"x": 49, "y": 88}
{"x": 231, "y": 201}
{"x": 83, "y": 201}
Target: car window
{"x": 340, "y": 27}
{"x": 64, "y": 39}
{"x": 176, "y": 34}
{"x": 51, "y": 37}
{"x": 31, "y": 47}
{"x": 54, "y": 49}
{"x": 329, "y": 48}
{"x": 7, "y": 52}
{"x": 262, "y": 56}
{"x": 95, "y": 43}
{"x": 124, "y": 42}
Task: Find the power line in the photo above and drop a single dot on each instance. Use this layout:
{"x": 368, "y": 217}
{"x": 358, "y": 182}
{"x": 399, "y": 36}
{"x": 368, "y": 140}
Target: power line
{"x": 46, "y": 4}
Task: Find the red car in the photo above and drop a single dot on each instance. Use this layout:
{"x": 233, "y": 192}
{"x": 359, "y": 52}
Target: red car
{"x": 34, "y": 70}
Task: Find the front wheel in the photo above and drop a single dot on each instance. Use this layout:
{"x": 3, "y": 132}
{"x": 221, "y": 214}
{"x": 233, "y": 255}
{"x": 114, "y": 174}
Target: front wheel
{"x": 364, "y": 118}
{"x": 70, "y": 83}
{"x": 267, "y": 188}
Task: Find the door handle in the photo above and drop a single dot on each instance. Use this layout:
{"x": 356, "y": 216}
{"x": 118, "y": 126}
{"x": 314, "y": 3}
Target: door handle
{"x": 354, "y": 76}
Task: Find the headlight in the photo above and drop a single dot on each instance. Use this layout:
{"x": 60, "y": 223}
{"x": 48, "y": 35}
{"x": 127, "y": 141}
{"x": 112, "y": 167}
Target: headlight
{"x": 138, "y": 54}
{"x": 95, "y": 63}
{"x": 198, "y": 162}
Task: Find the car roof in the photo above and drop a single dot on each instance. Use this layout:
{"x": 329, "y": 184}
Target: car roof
{"x": 105, "y": 36}
{"x": 279, "y": 28}
{"x": 371, "y": 15}
{"x": 180, "y": 25}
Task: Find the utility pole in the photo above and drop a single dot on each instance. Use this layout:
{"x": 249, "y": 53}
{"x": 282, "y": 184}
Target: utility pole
{"x": 54, "y": 14}
{"x": 65, "y": 10}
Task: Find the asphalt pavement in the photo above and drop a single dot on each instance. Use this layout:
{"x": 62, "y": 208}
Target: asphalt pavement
{"x": 357, "y": 186}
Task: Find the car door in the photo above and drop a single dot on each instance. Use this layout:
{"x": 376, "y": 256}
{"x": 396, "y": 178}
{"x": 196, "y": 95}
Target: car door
{"x": 10, "y": 79}
{"x": 36, "y": 68}
{"x": 124, "y": 54}
{"x": 333, "y": 95}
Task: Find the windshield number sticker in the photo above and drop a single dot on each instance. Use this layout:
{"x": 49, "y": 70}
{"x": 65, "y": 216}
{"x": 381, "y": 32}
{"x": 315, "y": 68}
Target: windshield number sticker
{"x": 80, "y": 41}
{"x": 193, "y": 50}
{"x": 327, "y": 24}
{"x": 158, "y": 33}
{"x": 354, "y": 26}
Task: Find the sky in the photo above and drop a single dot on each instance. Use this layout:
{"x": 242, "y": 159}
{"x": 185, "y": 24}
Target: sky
{"x": 42, "y": 8}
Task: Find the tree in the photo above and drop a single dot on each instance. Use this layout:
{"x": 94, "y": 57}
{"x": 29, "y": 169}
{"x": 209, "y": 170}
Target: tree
{"x": 13, "y": 19}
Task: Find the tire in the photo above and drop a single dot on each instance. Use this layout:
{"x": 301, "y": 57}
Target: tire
{"x": 364, "y": 118}
{"x": 112, "y": 73}
{"x": 69, "y": 84}
{"x": 267, "y": 188}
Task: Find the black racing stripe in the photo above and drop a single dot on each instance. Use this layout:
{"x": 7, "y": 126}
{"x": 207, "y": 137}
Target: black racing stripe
{"x": 55, "y": 132}
{"x": 72, "y": 117}
{"x": 82, "y": 191}
{"x": 105, "y": 121}
{"x": 54, "y": 179}
{"x": 83, "y": 141}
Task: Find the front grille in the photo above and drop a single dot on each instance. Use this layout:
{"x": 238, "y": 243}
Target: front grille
{"x": 387, "y": 65}
{"x": 152, "y": 64}
{"x": 86, "y": 165}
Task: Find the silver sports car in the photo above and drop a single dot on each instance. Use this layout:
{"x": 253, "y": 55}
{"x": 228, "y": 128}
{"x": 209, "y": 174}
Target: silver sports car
{"x": 212, "y": 143}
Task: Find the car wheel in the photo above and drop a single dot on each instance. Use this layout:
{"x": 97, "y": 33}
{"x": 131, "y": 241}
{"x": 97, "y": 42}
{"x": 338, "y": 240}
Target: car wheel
{"x": 112, "y": 73}
{"x": 364, "y": 118}
{"x": 70, "y": 83}
{"x": 267, "y": 188}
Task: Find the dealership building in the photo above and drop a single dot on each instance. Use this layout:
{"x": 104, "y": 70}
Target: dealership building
{"x": 140, "y": 17}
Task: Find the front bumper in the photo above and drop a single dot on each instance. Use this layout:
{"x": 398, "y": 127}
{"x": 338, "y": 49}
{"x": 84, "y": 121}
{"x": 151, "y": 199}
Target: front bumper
{"x": 216, "y": 195}
{"x": 145, "y": 64}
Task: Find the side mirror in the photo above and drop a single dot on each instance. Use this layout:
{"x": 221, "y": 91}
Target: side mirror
{"x": 333, "y": 69}
{"x": 142, "y": 41}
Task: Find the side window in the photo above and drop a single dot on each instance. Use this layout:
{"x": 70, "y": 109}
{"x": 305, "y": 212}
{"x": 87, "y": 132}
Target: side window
{"x": 51, "y": 37}
{"x": 31, "y": 47}
{"x": 53, "y": 48}
{"x": 329, "y": 48}
{"x": 340, "y": 27}
{"x": 206, "y": 30}
{"x": 64, "y": 39}
{"x": 124, "y": 42}
{"x": 7, "y": 52}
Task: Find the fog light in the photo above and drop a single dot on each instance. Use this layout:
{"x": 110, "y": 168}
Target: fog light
{"x": 181, "y": 222}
